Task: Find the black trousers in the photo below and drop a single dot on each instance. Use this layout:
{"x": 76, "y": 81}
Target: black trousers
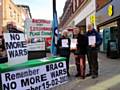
{"x": 80, "y": 64}
{"x": 67, "y": 62}
{"x": 92, "y": 56}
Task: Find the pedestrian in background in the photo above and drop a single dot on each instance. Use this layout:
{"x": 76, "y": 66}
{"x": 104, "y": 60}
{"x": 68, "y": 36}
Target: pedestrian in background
{"x": 80, "y": 53}
{"x": 3, "y": 53}
{"x": 94, "y": 41}
{"x": 2, "y": 46}
{"x": 64, "y": 48}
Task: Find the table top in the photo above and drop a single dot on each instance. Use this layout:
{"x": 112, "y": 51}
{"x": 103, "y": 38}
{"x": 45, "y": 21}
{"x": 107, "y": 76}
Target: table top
{"x": 30, "y": 63}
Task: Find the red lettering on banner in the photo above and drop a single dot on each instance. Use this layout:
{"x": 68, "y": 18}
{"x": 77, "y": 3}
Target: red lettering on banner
{"x": 40, "y": 21}
{"x": 40, "y": 28}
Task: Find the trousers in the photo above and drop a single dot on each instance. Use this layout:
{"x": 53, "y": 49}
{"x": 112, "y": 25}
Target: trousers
{"x": 92, "y": 56}
{"x": 67, "y": 62}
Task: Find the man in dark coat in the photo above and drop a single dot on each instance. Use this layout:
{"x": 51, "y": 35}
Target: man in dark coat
{"x": 94, "y": 41}
{"x": 64, "y": 48}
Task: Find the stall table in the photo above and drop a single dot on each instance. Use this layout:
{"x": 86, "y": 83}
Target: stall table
{"x": 39, "y": 74}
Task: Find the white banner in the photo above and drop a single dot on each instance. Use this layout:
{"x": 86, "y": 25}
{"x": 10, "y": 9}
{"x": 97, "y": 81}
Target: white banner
{"x": 36, "y": 46}
{"x": 35, "y": 78}
{"x": 37, "y": 29}
{"x": 16, "y": 48}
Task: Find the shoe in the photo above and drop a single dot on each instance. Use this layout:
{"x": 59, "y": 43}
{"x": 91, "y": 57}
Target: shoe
{"x": 82, "y": 77}
{"x": 94, "y": 76}
{"x": 89, "y": 74}
{"x": 68, "y": 75}
{"x": 77, "y": 75}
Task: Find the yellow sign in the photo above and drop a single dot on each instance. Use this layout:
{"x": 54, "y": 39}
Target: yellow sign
{"x": 92, "y": 19}
{"x": 110, "y": 10}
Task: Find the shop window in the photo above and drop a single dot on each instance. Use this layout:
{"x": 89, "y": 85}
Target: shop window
{"x": 18, "y": 18}
{"x": 10, "y": 11}
{"x": 14, "y": 15}
{"x": 77, "y": 3}
{"x": 73, "y": 5}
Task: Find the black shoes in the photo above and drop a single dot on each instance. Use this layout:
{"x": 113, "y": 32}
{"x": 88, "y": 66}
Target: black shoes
{"x": 89, "y": 74}
{"x": 77, "y": 75}
{"x": 94, "y": 76}
{"x": 68, "y": 74}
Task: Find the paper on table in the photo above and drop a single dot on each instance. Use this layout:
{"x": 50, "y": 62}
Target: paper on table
{"x": 65, "y": 43}
{"x": 92, "y": 40}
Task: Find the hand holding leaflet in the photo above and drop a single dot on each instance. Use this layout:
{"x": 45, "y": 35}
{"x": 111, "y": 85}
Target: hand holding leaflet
{"x": 65, "y": 43}
{"x": 91, "y": 40}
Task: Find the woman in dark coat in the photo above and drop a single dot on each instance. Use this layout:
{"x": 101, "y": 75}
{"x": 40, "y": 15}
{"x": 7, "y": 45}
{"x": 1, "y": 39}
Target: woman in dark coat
{"x": 80, "y": 55}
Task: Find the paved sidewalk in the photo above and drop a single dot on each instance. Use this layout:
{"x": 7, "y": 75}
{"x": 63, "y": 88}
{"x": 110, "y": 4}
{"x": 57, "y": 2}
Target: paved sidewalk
{"x": 109, "y": 76}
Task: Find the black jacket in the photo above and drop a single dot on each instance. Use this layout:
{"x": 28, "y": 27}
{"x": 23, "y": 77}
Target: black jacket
{"x": 82, "y": 44}
{"x": 2, "y": 46}
{"x": 63, "y": 51}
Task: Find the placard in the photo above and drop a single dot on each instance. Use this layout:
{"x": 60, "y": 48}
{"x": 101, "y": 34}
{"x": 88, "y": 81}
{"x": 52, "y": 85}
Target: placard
{"x": 35, "y": 78}
{"x": 73, "y": 44}
{"x": 37, "y": 30}
{"x": 16, "y": 48}
{"x": 36, "y": 46}
{"x": 65, "y": 43}
{"x": 92, "y": 40}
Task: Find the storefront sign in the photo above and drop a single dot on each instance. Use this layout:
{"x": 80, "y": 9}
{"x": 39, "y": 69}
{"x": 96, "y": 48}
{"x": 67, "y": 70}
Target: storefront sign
{"x": 110, "y": 10}
{"x": 92, "y": 19}
{"x": 35, "y": 78}
{"x": 16, "y": 48}
{"x": 108, "y": 13}
{"x": 37, "y": 30}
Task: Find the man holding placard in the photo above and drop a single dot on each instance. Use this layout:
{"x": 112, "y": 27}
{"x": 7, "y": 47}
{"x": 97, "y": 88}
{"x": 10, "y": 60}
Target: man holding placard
{"x": 94, "y": 41}
{"x": 64, "y": 48}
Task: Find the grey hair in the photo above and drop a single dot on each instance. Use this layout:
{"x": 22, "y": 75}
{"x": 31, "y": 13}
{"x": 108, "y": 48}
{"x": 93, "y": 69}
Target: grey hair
{"x": 64, "y": 31}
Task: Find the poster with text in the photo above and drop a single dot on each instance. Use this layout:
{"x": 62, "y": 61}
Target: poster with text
{"x": 37, "y": 30}
{"x": 16, "y": 48}
{"x": 35, "y": 78}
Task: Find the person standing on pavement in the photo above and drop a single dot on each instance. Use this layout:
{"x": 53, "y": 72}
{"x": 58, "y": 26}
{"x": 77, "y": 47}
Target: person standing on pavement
{"x": 64, "y": 48}
{"x": 2, "y": 46}
{"x": 77, "y": 59}
{"x": 80, "y": 54}
{"x": 94, "y": 41}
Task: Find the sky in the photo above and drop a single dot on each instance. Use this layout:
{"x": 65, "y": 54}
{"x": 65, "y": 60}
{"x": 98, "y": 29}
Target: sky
{"x": 42, "y": 9}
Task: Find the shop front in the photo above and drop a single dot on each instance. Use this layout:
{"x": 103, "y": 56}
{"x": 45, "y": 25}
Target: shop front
{"x": 107, "y": 20}
{"x": 86, "y": 16}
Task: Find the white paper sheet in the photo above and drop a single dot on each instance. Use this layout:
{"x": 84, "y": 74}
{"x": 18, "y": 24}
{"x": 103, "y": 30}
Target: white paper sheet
{"x": 73, "y": 43}
{"x": 92, "y": 40}
{"x": 65, "y": 43}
